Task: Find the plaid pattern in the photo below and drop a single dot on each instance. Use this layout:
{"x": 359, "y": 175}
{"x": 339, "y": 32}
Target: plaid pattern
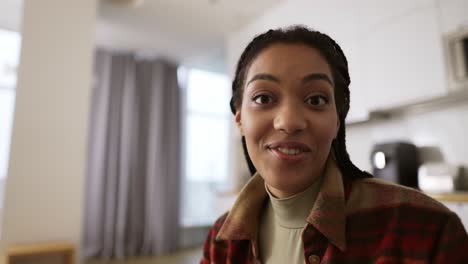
{"x": 364, "y": 221}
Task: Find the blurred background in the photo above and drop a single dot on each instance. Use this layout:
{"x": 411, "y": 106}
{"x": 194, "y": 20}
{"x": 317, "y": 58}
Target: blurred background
{"x": 116, "y": 136}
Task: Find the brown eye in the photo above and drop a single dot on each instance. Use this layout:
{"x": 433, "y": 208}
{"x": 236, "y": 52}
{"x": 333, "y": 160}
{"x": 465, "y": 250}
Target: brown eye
{"x": 263, "y": 99}
{"x": 317, "y": 100}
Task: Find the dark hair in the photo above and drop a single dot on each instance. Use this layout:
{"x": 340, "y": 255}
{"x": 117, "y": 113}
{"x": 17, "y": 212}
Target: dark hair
{"x": 336, "y": 59}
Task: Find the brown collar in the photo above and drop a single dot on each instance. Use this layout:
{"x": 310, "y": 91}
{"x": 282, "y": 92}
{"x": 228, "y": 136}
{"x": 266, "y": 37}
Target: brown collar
{"x": 327, "y": 215}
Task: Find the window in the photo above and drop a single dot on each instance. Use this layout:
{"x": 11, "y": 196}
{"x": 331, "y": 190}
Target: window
{"x": 9, "y": 54}
{"x": 206, "y": 142}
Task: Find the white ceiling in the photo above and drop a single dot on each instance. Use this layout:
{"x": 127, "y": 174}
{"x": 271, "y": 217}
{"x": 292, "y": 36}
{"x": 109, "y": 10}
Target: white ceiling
{"x": 10, "y": 14}
{"x": 191, "y": 32}
{"x": 188, "y": 31}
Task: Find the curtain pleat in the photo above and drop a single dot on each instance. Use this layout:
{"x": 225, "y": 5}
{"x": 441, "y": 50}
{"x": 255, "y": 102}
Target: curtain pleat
{"x": 133, "y": 176}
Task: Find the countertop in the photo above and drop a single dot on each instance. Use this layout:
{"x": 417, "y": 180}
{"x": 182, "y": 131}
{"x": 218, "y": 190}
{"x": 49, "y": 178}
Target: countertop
{"x": 458, "y": 197}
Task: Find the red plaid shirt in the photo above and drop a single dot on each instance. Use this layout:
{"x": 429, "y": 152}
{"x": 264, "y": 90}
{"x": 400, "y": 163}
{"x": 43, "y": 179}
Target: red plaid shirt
{"x": 363, "y": 221}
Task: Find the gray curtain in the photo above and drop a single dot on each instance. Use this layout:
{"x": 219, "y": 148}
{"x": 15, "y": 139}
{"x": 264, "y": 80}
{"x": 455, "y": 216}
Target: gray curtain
{"x": 133, "y": 177}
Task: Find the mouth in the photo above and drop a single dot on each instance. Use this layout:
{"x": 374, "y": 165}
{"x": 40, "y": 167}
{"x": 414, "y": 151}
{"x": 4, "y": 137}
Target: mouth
{"x": 291, "y": 151}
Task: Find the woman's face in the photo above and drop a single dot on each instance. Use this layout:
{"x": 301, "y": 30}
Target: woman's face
{"x": 288, "y": 116}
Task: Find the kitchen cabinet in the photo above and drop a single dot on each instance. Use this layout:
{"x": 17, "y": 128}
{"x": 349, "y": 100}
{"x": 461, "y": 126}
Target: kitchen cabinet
{"x": 395, "y": 48}
{"x": 371, "y": 15}
{"x": 402, "y": 57}
{"x": 453, "y": 15}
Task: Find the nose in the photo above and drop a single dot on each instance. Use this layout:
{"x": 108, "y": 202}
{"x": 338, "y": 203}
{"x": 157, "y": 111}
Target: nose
{"x": 290, "y": 119}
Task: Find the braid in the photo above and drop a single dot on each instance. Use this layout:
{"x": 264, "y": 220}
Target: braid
{"x": 338, "y": 63}
{"x": 339, "y": 144}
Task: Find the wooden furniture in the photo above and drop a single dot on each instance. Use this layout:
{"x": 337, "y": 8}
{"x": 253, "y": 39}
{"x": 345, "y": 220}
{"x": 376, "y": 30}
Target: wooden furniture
{"x": 459, "y": 197}
{"x": 66, "y": 250}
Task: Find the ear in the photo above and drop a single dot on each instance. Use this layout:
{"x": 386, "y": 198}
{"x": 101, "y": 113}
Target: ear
{"x": 338, "y": 124}
{"x": 239, "y": 122}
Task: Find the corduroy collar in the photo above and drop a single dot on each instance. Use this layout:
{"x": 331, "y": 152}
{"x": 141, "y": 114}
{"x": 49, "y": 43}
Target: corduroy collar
{"x": 327, "y": 215}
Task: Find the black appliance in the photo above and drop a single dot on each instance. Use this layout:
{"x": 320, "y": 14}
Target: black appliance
{"x": 396, "y": 162}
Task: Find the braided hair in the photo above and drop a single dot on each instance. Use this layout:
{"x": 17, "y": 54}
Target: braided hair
{"x": 338, "y": 63}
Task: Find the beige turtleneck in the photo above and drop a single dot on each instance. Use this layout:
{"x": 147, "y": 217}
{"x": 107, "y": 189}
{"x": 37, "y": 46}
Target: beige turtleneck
{"x": 281, "y": 226}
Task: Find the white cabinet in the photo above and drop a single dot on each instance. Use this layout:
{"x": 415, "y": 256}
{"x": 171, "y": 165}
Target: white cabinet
{"x": 401, "y": 55}
{"x": 394, "y": 47}
{"x": 371, "y": 14}
{"x": 453, "y": 15}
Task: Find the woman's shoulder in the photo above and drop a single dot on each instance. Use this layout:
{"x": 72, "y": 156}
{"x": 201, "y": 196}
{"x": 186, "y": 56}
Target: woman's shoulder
{"x": 406, "y": 220}
{"x": 219, "y": 221}
{"x": 216, "y": 227}
{"x": 374, "y": 193}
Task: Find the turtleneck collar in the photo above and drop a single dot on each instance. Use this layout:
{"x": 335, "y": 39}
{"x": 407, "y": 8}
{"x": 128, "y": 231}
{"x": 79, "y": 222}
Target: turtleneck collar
{"x": 292, "y": 212}
{"x": 328, "y": 214}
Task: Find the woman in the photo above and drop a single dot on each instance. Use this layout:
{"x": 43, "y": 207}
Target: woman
{"x": 307, "y": 202}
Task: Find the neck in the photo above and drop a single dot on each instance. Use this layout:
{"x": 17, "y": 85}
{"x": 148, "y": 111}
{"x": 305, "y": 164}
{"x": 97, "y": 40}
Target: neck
{"x": 284, "y": 193}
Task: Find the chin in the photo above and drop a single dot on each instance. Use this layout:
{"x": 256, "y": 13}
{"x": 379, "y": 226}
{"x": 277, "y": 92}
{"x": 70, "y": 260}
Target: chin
{"x": 288, "y": 182}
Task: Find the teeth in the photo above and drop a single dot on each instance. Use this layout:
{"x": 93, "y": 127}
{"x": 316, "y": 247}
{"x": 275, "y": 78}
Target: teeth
{"x": 289, "y": 151}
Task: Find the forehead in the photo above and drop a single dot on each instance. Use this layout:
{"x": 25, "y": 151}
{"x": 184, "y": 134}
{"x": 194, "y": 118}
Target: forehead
{"x": 289, "y": 60}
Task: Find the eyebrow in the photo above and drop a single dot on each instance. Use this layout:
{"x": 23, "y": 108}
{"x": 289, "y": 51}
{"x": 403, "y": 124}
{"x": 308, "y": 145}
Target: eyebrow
{"x": 307, "y": 78}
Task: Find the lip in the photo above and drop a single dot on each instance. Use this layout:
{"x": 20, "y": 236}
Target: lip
{"x": 273, "y": 148}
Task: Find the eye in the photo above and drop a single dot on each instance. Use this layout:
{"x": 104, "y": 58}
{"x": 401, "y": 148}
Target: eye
{"x": 317, "y": 100}
{"x": 263, "y": 99}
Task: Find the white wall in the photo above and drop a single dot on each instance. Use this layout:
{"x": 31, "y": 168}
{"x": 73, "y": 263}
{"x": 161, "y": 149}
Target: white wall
{"x": 44, "y": 190}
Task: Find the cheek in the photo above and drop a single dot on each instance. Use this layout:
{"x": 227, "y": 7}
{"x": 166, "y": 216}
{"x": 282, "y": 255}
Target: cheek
{"x": 326, "y": 133}
{"x": 254, "y": 127}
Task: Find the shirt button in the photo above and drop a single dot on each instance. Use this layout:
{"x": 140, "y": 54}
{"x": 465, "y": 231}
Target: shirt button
{"x": 314, "y": 259}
